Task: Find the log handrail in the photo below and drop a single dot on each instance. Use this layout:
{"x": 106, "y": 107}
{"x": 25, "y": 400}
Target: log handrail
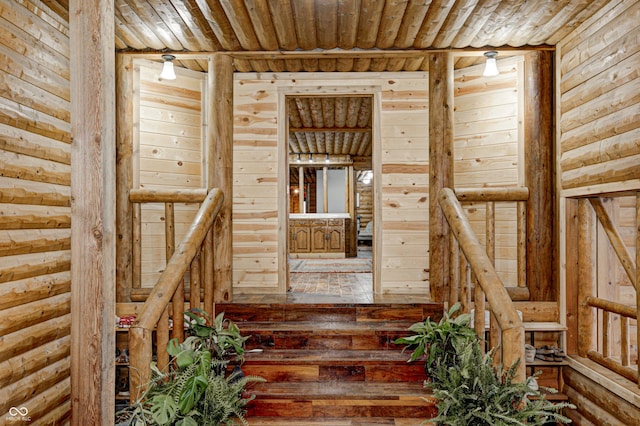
{"x": 500, "y": 302}
{"x": 140, "y": 333}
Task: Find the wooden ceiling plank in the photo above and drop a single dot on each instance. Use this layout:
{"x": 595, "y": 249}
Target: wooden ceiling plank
{"x": 378, "y": 64}
{"x": 361, "y": 64}
{"x": 130, "y": 39}
{"x": 242, "y": 65}
{"x": 589, "y": 11}
{"x": 293, "y": 113}
{"x": 302, "y": 142}
{"x": 320, "y": 141}
{"x": 413, "y": 17}
{"x": 305, "y": 23}
{"x": 395, "y": 64}
{"x": 364, "y": 114}
{"x": 294, "y": 145}
{"x": 155, "y": 23}
{"x": 353, "y": 107}
{"x": 174, "y": 22}
{"x": 195, "y": 20}
{"x": 432, "y": 23}
{"x": 519, "y": 22}
{"x": 293, "y": 65}
{"x": 369, "y": 22}
{"x": 131, "y": 20}
{"x": 413, "y": 64}
{"x": 310, "y": 64}
{"x": 329, "y": 129}
{"x": 305, "y": 111}
{"x": 259, "y": 65}
{"x": 241, "y": 23}
{"x": 219, "y": 24}
{"x": 327, "y": 65}
{"x": 348, "y": 17}
{"x": 497, "y": 20}
{"x": 565, "y": 14}
{"x": 365, "y": 146}
{"x": 483, "y": 11}
{"x": 327, "y": 22}
{"x": 341, "y": 111}
{"x": 330, "y": 145}
{"x": 277, "y": 65}
{"x": 311, "y": 142}
{"x": 454, "y": 23}
{"x": 316, "y": 111}
{"x": 328, "y": 111}
{"x": 344, "y": 64}
{"x": 347, "y": 142}
{"x": 283, "y": 23}
{"x": 466, "y": 61}
{"x": 355, "y": 144}
{"x": 261, "y": 18}
{"x": 390, "y": 23}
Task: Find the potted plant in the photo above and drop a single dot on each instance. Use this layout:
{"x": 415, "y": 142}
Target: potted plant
{"x": 195, "y": 389}
{"x": 475, "y": 393}
{"x": 440, "y": 341}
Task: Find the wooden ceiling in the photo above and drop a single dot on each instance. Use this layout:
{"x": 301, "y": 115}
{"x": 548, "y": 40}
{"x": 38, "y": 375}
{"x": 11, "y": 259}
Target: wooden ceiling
{"x": 383, "y": 35}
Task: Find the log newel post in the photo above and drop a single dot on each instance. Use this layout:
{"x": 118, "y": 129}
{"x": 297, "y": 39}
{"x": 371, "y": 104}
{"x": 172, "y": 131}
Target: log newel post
{"x": 220, "y": 169}
{"x": 587, "y": 263}
{"x": 440, "y": 168}
{"x": 538, "y": 153}
{"x": 93, "y": 212}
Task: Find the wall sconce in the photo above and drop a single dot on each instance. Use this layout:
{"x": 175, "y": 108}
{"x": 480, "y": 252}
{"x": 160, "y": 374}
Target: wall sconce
{"x": 168, "y": 73}
{"x": 326, "y": 158}
{"x": 298, "y": 159}
{"x": 491, "y": 67}
{"x": 311, "y": 158}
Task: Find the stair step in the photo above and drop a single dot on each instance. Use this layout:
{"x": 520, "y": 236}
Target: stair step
{"x": 340, "y": 399}
{"x": 329, "y": 312}
{"x": 325, "y": 335}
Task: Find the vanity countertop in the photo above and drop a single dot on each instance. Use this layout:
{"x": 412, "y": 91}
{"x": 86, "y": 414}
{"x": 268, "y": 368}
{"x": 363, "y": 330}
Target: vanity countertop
{"x": 319, "y": 216}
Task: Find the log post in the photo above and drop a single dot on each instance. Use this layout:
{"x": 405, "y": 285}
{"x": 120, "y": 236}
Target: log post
{"x": 220, "y": 169}
{"x": 538, "y": 146}
{"x": 124, "y": 177}
{"x": 587, "y": 262}
{"x": 93, "y": 212}
{"x": 440, "y": 167}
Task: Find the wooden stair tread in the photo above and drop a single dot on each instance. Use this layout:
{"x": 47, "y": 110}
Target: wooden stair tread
{"x": 319, "y": 357}
{"x": 335, "y": 421}
{"x": 316, "y": 327}
{"x": 345, "y": 390}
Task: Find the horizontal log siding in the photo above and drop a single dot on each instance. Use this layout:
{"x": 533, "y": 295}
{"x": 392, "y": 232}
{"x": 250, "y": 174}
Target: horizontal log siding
{"x": 404, "y": 182}
{"x": 169, "y": 154}
{"x": 488, "y": 150}
{"x": 599, "y": 92}
{"x": 35, "y": 214}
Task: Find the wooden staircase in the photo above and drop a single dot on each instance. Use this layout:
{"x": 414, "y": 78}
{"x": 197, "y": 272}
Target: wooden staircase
{"x": 333, "y": 364}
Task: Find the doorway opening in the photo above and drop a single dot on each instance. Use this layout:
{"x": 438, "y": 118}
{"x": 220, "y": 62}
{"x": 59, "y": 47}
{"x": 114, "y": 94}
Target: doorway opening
{"x": 330, "y": 208}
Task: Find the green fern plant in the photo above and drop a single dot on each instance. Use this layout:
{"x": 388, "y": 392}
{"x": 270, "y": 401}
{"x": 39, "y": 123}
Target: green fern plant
{"x": 195, "y": 389}
{"x": 475, "y": 393}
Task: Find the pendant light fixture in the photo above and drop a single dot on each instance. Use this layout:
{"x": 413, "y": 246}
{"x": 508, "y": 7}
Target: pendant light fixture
{"x": 491, "y": 66}
{"x": 168, "y": 73}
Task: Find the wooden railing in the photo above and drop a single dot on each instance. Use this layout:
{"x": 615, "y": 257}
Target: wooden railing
{"x": 596, "y": 337}
{"x": 168, "y": 294}
{"x": 604, "y": 356}
{"x": 506, "y": 323}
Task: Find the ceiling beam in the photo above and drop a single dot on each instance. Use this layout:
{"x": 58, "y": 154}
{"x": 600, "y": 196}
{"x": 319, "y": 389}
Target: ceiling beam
{"x": 330, "y": 129}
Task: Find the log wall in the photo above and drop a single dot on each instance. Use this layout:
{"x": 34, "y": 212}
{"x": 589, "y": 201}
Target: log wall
{"x": 599, "y": 86}
{"x": 168, "y": 153}
{"x": 488, "y": 150}
{"x": 35, "y": 215}
{"x": 598, "y": 153}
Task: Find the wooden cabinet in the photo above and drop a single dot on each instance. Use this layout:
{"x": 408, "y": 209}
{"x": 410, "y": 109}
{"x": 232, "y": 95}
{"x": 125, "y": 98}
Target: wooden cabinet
{"x": 318, "y": 237}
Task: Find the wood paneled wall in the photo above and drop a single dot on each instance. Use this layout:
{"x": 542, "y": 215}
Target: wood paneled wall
{"x": 598, "y": 90}
{"x": 35, "y": 215}
{"x": 488, "y": 149}
{"x": 598, "y": 152}
{"x": 402, "y": 177}
{"x": 168, "y": 153}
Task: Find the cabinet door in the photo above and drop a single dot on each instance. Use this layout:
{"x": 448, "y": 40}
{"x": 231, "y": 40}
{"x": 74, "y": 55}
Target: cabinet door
{"x": 301, "y": 240}
{"x": 318, "y": 239}
{"x": 335, "y": 240}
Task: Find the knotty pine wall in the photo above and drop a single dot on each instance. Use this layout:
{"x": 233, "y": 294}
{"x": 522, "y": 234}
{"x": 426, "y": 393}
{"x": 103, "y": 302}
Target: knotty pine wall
{"x": 35, "y": 214}
{"x": 168, "y": 153}
{"x": 488, "y": 149}
{"x": 598, "y": 151}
